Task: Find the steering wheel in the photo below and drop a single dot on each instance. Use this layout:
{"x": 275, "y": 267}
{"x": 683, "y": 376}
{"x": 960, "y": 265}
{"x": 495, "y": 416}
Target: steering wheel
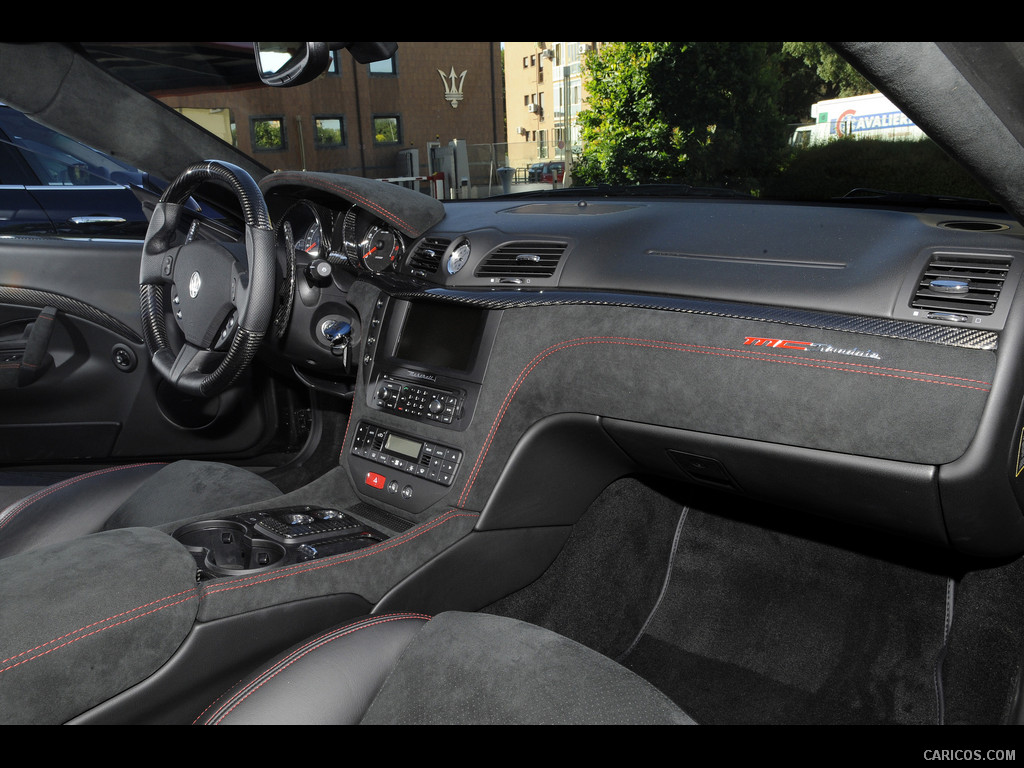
{"x": 221, "y": 293}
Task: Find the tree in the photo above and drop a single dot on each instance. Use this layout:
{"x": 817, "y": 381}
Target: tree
{"x": 698, "y": 113}
{"x": 837, "y": 76}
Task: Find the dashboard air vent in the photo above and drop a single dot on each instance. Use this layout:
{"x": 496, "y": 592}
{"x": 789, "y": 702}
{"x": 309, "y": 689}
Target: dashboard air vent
{"x": 427, "y": 256}
{"x": 958, "y": 282}
{"x": 538, "y": 259}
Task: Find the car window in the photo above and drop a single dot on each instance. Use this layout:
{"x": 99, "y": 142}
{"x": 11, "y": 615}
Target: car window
{"x": 57, "y": 160}
{"x": 61, "y": 187}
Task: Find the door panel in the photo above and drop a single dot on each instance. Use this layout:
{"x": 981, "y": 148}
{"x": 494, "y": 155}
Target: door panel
{"x": 97, "y": 397}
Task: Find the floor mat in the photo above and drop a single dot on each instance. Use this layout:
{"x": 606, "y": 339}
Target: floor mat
{"x": 757, "y": 626}
{"x": 608, "y": 578}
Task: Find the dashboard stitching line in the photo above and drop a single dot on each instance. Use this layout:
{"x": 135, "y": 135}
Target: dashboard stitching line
{"x": 677, "y": 347}
{"x": 905, "y": 330}
{"x": 344, "y": 192}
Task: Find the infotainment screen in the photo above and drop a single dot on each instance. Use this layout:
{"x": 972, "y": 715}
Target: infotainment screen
{"x": 440, "y": 335}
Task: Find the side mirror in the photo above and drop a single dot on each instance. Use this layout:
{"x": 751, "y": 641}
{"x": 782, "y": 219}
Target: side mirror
{"x": 282, "y": 64}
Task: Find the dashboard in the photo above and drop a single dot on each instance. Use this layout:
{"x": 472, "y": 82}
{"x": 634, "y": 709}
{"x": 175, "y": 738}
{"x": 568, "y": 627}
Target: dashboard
{"x": 514, "y": 356}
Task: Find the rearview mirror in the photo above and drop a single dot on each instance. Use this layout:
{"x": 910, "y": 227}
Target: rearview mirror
{"x": 282, "y": 64}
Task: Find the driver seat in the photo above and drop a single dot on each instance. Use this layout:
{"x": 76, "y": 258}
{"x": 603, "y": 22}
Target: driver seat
{"x": 145, "y": 495}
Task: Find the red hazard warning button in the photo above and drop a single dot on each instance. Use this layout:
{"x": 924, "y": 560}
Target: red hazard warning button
{"x": 377, "y": 481}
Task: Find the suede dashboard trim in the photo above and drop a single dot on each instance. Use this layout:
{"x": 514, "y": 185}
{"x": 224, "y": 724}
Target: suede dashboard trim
{"x": 839, "y": 366}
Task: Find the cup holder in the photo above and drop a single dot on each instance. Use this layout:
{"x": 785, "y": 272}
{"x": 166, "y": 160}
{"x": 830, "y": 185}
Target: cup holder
{"x": 224, "y": 548}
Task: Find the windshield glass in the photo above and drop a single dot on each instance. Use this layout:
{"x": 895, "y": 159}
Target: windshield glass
{"x": 773, "y": 120}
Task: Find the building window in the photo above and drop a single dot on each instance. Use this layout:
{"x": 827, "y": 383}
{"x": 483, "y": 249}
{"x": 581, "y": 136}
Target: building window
{"x": 268, "y": 134}
{"x": 386, "y": 67}
{"x": 330, "y": 131}
{"x": 387, "y": 129}
{"x": 334, "y": 68}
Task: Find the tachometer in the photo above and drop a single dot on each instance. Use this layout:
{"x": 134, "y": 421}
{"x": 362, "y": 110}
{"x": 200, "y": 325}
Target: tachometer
{"x": 380, "y": 247}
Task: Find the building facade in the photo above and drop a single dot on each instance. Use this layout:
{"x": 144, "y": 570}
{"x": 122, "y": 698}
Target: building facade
{"x": 393, "y": 119}
{"x": 544, "y": 91}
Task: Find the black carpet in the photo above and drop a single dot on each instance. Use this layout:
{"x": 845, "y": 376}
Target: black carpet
{"x": 739, "y": 622}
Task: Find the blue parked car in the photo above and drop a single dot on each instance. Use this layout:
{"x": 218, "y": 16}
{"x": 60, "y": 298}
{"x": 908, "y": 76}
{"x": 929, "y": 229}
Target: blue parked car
{"x": 53, "y": 185}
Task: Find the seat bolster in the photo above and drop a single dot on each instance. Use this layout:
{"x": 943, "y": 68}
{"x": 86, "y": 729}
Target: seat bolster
{"x": 330, "y": 679}
{"x": 69, "y": 509}
{"x": 480, "y": 669}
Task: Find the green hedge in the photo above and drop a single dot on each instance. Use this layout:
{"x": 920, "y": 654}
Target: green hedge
{"x": 833, "y": 169}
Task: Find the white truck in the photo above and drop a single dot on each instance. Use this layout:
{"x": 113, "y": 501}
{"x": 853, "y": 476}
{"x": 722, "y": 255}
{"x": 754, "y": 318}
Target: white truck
{"x": 871, "y": 115}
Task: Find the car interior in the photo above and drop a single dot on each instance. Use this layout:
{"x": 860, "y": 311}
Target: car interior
{"x": 588, "y": 456}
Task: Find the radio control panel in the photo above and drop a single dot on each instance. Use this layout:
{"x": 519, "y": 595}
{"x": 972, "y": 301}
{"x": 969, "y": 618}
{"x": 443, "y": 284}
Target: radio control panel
{"x": 418, "y": 401}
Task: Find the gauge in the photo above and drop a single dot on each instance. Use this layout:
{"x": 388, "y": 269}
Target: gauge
{"x": 380, "y": 247}
{"x": 458, "y": 257}
{"x": 311, "y": 241}
{"x": 304, "y": 221}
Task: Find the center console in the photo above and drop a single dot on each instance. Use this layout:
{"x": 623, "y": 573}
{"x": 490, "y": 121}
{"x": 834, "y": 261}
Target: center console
{"x": 423, "y": 366}
{"x": 254, "y": 541}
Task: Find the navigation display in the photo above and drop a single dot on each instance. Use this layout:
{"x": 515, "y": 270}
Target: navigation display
{"x": 440, "y": 335}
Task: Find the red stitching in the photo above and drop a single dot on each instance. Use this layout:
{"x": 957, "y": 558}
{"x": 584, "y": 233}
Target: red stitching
{"x": 330, "y": 562}
{"x": 348, "y": 425}
{"x": 262, "y": 678}
{"x": 11, "y": 512}
{"x": 751, "y": 355}
{"x": 193, "y": 596}
{"x": 373, "y": 204}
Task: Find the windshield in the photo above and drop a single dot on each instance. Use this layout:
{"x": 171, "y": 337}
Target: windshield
{"x": 772, "y": 120}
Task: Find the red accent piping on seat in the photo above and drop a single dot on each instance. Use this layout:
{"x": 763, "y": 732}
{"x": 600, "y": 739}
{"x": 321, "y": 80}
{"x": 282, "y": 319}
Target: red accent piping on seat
{"x": 261, "y": 678}
{"x": 8, "y": 514}
{"x": 96, "y": 627}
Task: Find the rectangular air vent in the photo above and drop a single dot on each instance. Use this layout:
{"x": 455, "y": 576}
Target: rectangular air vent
{"x": 536, "y": 259}
{"x": 959, "y": 282}
{"x": 427, "y": 256}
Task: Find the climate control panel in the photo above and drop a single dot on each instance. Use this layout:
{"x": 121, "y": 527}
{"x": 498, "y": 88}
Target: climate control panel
{"x": 408, "y": 455}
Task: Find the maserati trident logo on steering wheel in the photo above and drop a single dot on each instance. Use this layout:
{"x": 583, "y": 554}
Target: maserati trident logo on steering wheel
{"x": 194, "y": 283}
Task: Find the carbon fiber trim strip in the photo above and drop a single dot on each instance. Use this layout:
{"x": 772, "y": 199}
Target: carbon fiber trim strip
{"x": 870, "y": 326}
{"x": 30, "y": 297}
